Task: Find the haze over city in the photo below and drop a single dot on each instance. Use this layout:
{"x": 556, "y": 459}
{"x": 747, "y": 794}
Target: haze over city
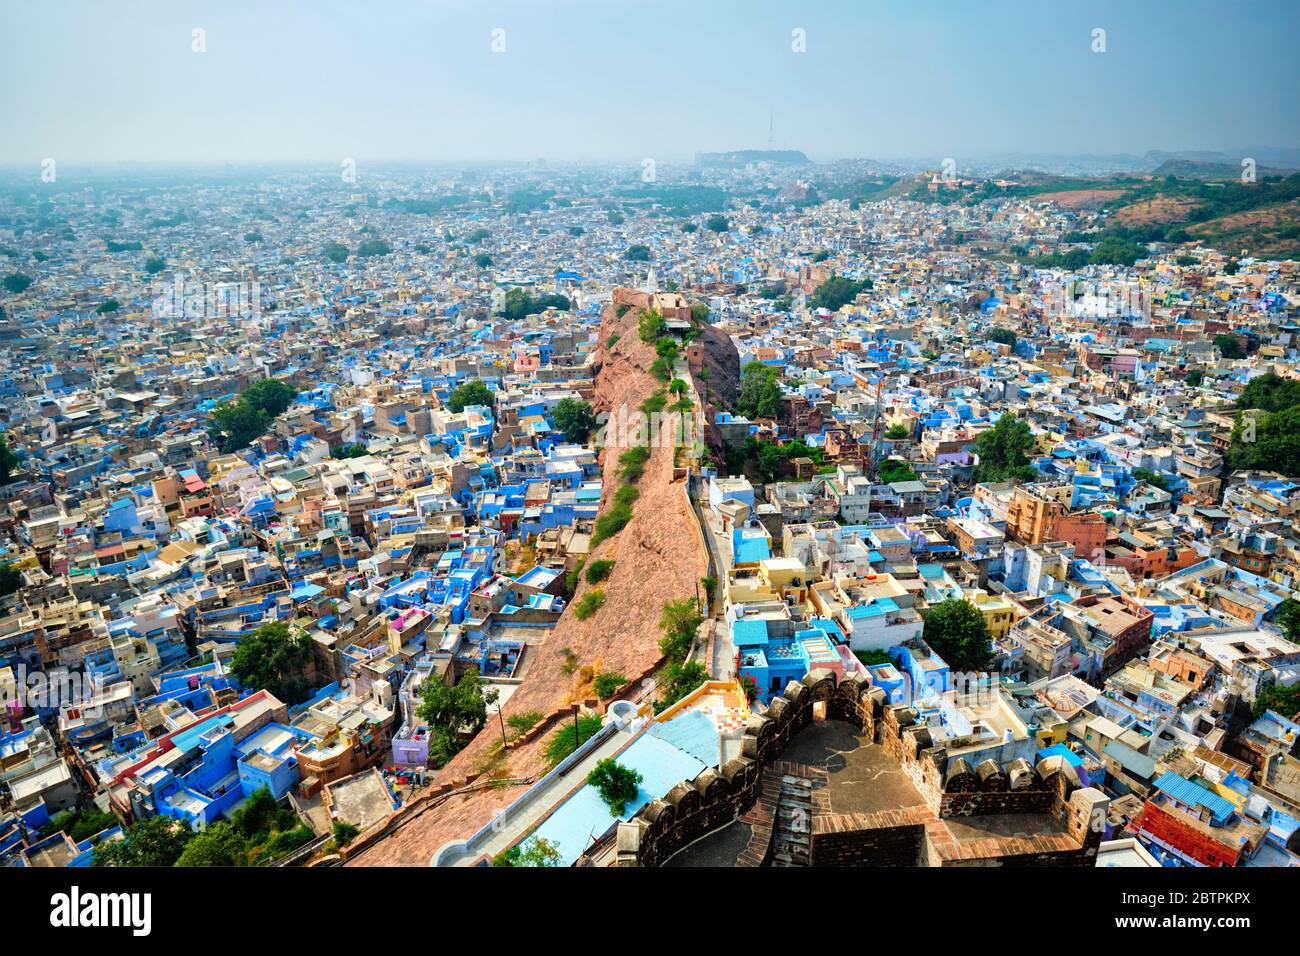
{"x": 616, "y": 79}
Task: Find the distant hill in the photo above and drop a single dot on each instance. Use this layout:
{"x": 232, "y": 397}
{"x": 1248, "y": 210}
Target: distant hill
{"x": 1207, "y": 169}
{"x": 1276, "y": 157}
{"x": 743, "y": 157}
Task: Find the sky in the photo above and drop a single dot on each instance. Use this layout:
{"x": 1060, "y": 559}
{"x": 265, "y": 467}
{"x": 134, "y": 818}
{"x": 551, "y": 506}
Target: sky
{"x": 455, "y": 80}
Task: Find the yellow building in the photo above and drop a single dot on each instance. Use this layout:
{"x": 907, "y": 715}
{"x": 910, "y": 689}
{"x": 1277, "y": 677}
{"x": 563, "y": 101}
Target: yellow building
{"x": 999, "y": 613}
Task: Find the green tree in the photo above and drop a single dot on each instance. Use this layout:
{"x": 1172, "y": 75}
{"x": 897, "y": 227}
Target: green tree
{"x": 760, "y": 391}
{"x": 1287, "y": 618}
{"x": 218, "y": 845}
{"x": 617, "y": 784}
{"x": 536, "y": 851}
{"x": 271, "y": 395}
{"x": 1151, "y": 478}
{"x": 518, "y": 304}
{"x": 482, "y": 260}
{"x": 1279, "y": 699}
{"x": 898, "y": 431}
{"x": 678, "y": 680}
{"x": 893, "y": 469}
{"x": 958, "y": 633}
{"x": 1270, "y": 392}
{"x": 373, "y": 247}
{"x": 155, "y": 841}
{"x": 1195, "y": 377}
{"x": 335, "y": 252}
{"x": 275, "y": 658}
{"x": 107, "y": 306}
{"x": 473, "y": 392}
{"x": 1275, "y": 445}
{"x": 235, "y": 425}
{"x": 1002, "y": 336}
{"x": 679, "y": 620}
{"x": 717, "y": 223}
{"x": 154, "y": 265}
{"x": 8, "y": 460}
{"x": 17, "y": 282}
{"x": 454, "y": 713}
{"x": 836, "y": 292}
{"x": 574, "y": 419}
{"x": 1229, "y": 346}
{"x": 650, "y": 326}
{"x": 11, "y": 579}
{"x": 637, "y": 253}
{"x": 1004, "y": 451}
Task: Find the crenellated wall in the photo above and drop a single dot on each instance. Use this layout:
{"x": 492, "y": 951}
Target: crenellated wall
{"x": 950, "y": 789}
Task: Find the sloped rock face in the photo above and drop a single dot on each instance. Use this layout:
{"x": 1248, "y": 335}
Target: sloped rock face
{"x": 659, "y": 557}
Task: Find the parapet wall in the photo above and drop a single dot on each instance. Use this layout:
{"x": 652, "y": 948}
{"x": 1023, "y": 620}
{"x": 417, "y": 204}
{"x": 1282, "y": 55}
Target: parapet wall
{"x": 949, "y": 787}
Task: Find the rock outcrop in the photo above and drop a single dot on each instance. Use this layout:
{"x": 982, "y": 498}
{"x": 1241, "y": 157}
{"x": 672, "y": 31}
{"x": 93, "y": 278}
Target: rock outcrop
{"x": 659, "y": 556}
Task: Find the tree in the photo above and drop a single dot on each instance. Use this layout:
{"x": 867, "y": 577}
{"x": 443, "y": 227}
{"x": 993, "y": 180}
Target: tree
{"x": 373, "y": 247}
{"x": 958, "y": 633}
{"x": 574, "y": 419}
{"x": 107, "y": 306}
{"x": 1003, "y": 337}
{"x": 717, "y": 223}
{"x": 270, "y": 395}
{"x": 1288, "y": 619}
{"x": 11, "y": 579}
{"x": 893, "y": 469}
{"x": 1004, "y": 451}
{"x": 352, "y": 450}
{"x": 482, "y": 260}
{"x": 617, "y": 784}
{"x": 17, "y": 282}
{"x": 1279, "y": 699}
{"x": 473, "y": 392}
{"x": 1267, "y": 442}
{"x": 1229, "y": 346}
{"x": 274, "y": 657}
{"x": 1195, "y": 377}
{"x": 898, "y": 431}
{"x": 335, "y": 252}
{"x": 155, "y": 841}
{"x": 679, "y": 621}
{"x": 154, "y": 265}
{"x": 637, "y": 253}
{"x": 1151, "y": 478}
{"x": 678, "y": 680}
{"x": 8, "y": 460}
{"x": 760, "y": 391}
{"x": 454, "y": 712}
{"x": 836, "y": 292}
{"x": 536, "y": 851}
{"x": 1270, "y": 392}
{"x": 650, "y": 326}
{"x": 218, "y": 845}
{"x": 518, "y": 304}
{"x": 235, "y": 425}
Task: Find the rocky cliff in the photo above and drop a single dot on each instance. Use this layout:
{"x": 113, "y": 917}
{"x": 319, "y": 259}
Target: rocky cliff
{"x": 659, "y": 557}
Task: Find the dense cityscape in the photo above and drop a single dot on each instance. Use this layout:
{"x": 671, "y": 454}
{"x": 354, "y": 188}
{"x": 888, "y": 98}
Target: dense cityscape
{"x": 741, "y": 510}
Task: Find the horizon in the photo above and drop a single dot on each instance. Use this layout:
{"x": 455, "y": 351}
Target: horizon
{"x": 426, "y": 84}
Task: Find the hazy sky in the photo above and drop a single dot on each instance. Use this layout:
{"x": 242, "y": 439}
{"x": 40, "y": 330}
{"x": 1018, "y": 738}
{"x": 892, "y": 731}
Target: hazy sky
{"x": 93, "y": 80}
